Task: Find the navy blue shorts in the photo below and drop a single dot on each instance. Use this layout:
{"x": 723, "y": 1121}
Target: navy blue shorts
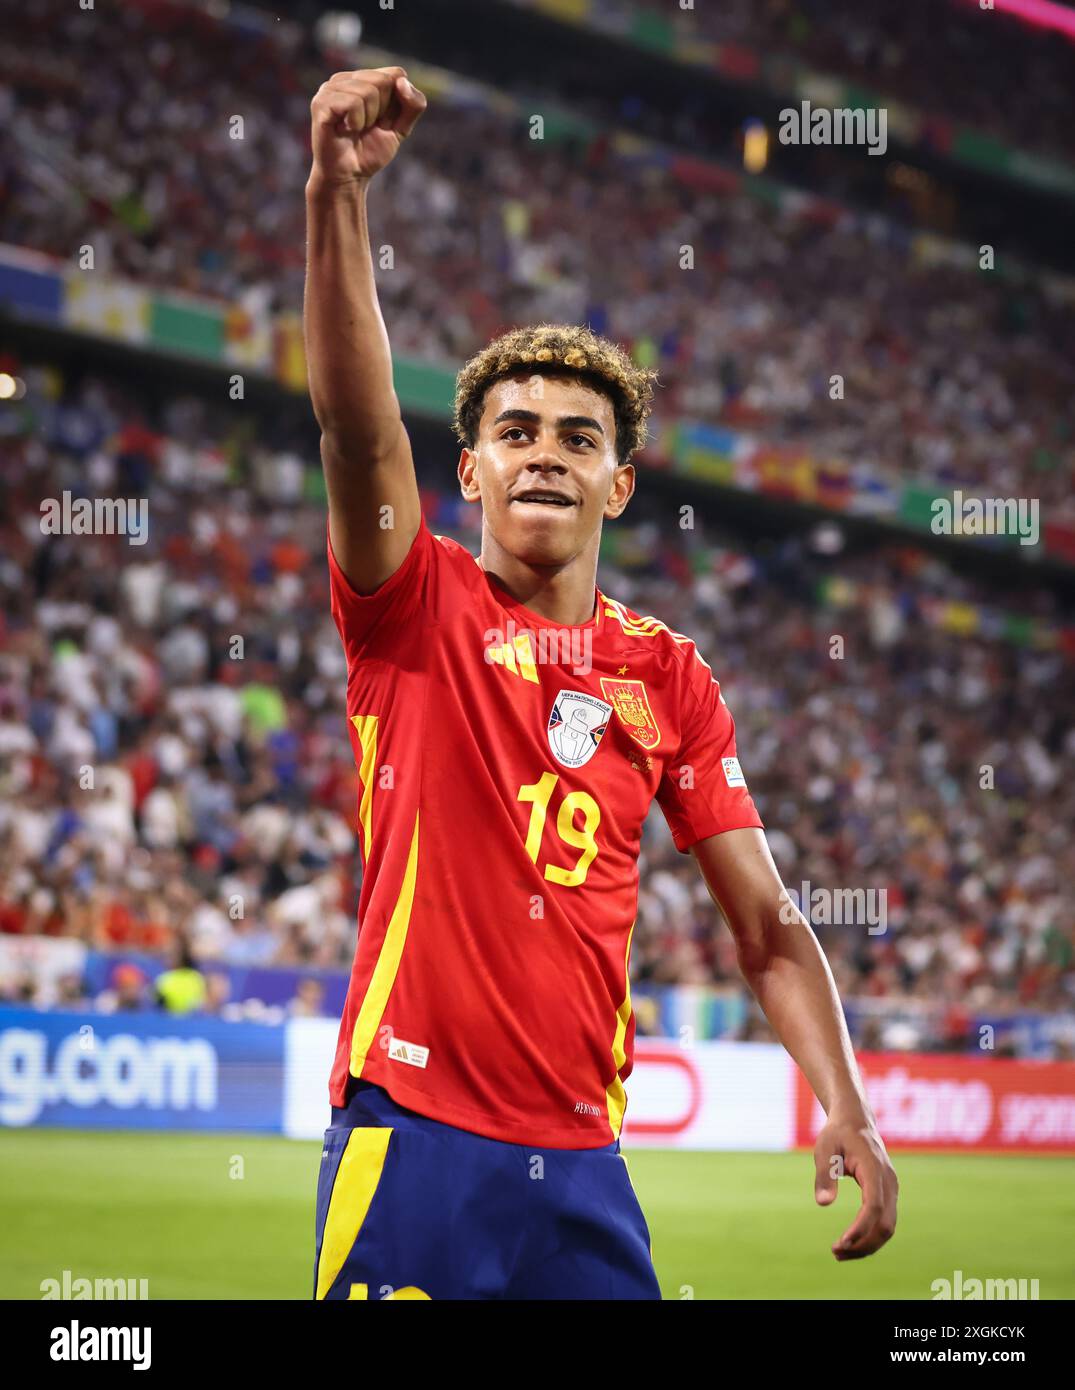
{"x": 411, "y": 1208}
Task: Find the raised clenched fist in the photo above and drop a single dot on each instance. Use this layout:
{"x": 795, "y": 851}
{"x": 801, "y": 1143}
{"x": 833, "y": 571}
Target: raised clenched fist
{"x": 359, "y": 120}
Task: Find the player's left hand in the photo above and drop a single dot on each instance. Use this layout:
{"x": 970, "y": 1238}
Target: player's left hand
{"x": 856, "y": 1148}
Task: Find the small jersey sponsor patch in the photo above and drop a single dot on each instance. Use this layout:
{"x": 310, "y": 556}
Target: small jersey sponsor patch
{"x": 411, "y": 1053}
{"x": 733, "y": 773}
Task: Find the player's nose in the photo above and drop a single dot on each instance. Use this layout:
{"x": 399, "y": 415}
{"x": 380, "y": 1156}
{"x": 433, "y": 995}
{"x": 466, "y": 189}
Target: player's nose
{"x": 545, "y": 461}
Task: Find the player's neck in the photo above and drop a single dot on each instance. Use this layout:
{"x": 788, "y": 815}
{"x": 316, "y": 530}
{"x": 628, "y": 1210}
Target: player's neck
{"x": 564, "y": 594}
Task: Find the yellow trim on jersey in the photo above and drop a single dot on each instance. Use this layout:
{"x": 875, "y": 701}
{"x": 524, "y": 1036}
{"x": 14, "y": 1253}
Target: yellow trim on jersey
{"x": 615, "y": 1095}
{"x": 384, "y": 972}
{"x": 356, "y": 1181}
{"x": 639, "y": 626}
{"x": 366, "y": 728}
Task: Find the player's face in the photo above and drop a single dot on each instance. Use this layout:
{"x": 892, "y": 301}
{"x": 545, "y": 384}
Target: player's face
{"x": 544, "y": 467}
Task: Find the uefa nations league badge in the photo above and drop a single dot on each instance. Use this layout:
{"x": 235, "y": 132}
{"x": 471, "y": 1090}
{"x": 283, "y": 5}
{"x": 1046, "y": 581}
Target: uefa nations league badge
{"x": 576, "y": 726}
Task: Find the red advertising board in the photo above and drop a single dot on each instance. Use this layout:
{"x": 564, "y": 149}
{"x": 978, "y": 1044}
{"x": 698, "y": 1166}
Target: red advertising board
{"x": 928, "y": 1101}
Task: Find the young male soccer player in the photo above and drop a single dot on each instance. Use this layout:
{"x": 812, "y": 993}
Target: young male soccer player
{"x": 512, "y": 724}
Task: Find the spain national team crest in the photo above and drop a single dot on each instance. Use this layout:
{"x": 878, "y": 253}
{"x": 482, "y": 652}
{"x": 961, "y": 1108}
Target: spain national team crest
{"x": 631, "y": 703}
{"x": 576, "y": 726}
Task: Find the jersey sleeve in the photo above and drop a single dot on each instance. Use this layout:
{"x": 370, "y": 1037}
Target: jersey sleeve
{"x": 370, "y": 624}
{"x": 703, "y": 791}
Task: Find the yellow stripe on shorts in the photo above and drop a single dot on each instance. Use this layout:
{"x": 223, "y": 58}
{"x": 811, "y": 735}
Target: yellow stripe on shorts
{"x": 356, "y": 1181}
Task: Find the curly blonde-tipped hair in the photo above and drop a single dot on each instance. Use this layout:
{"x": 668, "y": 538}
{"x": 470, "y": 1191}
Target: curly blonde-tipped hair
{"x": 553, "y": 349}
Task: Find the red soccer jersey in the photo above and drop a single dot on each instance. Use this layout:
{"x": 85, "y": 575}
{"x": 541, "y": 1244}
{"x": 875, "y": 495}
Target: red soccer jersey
{"x": 507, "y": 764}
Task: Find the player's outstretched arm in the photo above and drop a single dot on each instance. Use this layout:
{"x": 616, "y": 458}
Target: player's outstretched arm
{"x": 786, "y": 969}
{"x": 358, "y": 122}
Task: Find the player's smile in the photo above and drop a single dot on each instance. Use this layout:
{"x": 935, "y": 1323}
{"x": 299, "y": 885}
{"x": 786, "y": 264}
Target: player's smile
{"x": 543, "y": 497}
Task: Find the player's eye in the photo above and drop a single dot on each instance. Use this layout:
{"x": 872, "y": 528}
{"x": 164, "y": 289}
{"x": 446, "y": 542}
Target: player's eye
{"x": 580, "y": 440}
{"x": 514, "y": 429}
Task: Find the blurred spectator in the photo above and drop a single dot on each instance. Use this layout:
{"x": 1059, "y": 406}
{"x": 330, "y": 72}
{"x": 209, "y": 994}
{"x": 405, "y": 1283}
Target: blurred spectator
{"x": 129, "y": 991}
{"x": 184, "y": 989}
{"x": 308, "y": 999}
{"x": 217, "y": 993}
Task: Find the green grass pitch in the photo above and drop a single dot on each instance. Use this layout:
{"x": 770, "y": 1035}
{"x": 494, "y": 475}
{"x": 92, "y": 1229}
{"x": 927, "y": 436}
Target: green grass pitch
{"x": 165, "y": 1207}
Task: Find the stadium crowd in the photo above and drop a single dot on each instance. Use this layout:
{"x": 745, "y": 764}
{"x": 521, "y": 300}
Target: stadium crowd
{"x": 175, "y": 776}
{"x": 962, "y": 378}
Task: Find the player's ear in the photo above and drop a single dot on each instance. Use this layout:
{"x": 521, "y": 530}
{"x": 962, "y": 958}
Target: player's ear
{"x": 623, "y": 486}
{"x": 467, "y": 471}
